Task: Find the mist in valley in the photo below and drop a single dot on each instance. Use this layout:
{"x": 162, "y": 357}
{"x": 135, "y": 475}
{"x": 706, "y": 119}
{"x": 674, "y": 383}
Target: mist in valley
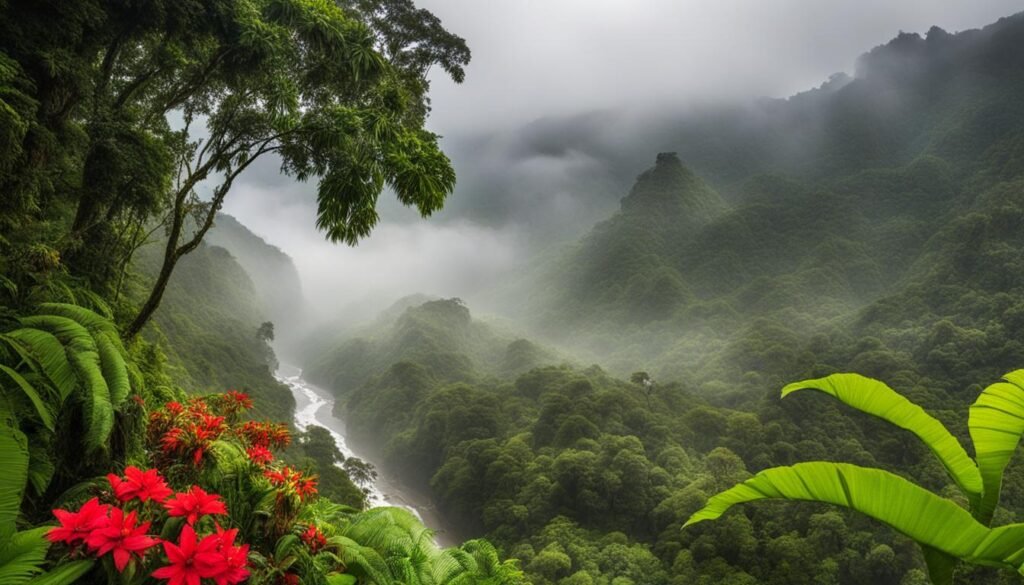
{"x": 549, "y": 133}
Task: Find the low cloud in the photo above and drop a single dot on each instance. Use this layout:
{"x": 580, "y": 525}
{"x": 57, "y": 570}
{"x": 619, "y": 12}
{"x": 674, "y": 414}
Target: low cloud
{"x": 564, "y": 104}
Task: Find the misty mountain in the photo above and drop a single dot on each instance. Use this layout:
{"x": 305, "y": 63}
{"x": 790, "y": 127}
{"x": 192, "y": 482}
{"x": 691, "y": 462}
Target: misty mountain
{"x": 835, "y": 197}
{"x": 917, "y": 94}
{"x": 208, "y": 323}
{"x": 439, "y": 335}
{"x": 273, "y": 273}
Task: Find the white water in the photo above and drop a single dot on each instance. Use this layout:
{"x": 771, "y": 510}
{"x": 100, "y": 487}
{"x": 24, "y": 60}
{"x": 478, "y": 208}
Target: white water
{"x": 314, "y": 405}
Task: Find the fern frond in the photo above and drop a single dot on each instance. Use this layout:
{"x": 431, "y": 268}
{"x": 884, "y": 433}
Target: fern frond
{"x": 114, "y": 369}
{"x": 14, "y": 457}
{"x": 39, "y": 405}
{"x": 45, "y": 350}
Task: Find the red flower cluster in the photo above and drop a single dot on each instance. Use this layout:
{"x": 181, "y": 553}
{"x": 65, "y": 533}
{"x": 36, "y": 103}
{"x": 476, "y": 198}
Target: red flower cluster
{"x": 260, "y": 455}
{"x": 185, "y": 432}
{"x": 314, "y": 539}
{"x": 233, "y": 402}
{"x": 194, "y": 503}
{"x": 144, "y": 485}
{"x": 214, "y": 557}
{"x": 265, "y": 434}
{"x": 104, "y": 529}
{"x": 293, "y": 481}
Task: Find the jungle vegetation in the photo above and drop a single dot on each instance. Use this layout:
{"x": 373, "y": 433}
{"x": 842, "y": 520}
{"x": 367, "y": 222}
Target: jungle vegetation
{"x": 143, "y": 438}
{"x": 871, "y": 226}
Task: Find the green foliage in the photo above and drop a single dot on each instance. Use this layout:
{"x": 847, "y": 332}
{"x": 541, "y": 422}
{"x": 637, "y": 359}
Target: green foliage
{"x": 22, "y": 556}
{"x": 208, "y": 324}
{"x": 91, "y": 346}
{"x": 875, "y": 398}
{"x": 439, "y": 336}
{"x": 995, "y": 424}
{"x": 945, "y": 531}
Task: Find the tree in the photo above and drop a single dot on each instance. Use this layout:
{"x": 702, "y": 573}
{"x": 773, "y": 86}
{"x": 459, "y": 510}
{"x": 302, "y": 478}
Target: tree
{"x": 946, "y": 532}
{"x": 645, "y": 382}
{"x": 333, "y": 97}
{"x": 362, "y": 473}
{"x": 335, "y": 91}
{"x": 266, "y": 331}
{"x": 319, "y": 444}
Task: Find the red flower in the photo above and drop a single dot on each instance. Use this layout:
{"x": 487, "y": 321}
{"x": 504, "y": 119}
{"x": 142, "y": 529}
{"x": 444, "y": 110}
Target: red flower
{"x": 239, "y": 400}
{"x": 306, "y": 488}
{"x": 260, "y": 455}
{"x": 171, "y": 441}
{"x": 290, "y": 579}
{"x": 190, "y": 561}
{"x": 265, "y": 434}
{"x": 122, "y": 537}
{"x": 145, "y": 485}
{"x": 235, "y": 558}
{"x": 314, "y": 539}
{"x": 174, "y": 407}
{"x": 76, "y": 526}
{"x": 194, "y": 503}
{"x": 212, "y": 425}
{"x": 293, "y": 481}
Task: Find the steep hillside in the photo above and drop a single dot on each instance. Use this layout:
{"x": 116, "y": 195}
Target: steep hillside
{"x": 209, "y": 322}
{"x": 273, "y": 273}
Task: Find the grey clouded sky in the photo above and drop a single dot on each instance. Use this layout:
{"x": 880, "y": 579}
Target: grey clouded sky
{"x": 556, "y": 92}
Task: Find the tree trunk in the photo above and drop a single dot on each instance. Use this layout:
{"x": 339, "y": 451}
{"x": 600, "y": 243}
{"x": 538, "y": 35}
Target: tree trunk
{"x": 171, "y": 257}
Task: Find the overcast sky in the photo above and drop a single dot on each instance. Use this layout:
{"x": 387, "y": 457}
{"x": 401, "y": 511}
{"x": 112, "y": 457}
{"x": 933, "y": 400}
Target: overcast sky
{"x": 539, "y": 65}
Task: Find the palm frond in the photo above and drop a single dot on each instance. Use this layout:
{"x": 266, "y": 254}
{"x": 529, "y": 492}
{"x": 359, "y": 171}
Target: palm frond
{"x": 878, "y": 399}
{"x": 932, "y": 521}
{"x": 996, "y": 423}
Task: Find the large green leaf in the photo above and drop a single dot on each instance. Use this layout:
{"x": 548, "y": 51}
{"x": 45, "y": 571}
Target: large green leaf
{"x": 996, "y": 423}
{"x": 64, "y": 574}
{"x": 84, "y": 356}
{"x": 930, "y": 520}
{"x": 68, "y": 331}
{"x": 38, "y": 403}
{"x": 13, "y": 470}
{"x": 876, "y": 398}
{"x": 22, "y": 555}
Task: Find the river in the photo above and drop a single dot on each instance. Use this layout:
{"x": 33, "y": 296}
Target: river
{"x": 314, "y": 405}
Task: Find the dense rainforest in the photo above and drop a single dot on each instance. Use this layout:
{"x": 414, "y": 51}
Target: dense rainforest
{"x": 871, "y": 225}
{"x": 591, "y": 427}
{"x": 144, "y": 437}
